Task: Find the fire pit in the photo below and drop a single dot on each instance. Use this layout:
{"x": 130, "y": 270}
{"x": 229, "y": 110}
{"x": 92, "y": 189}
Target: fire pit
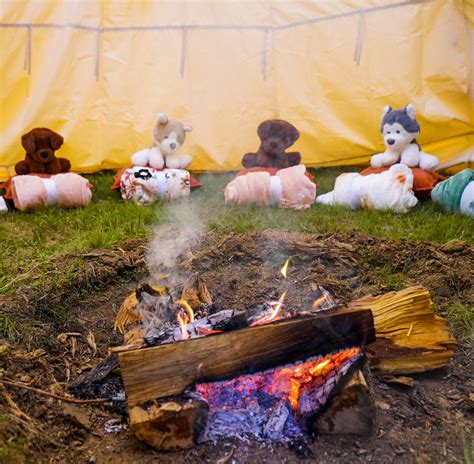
{"x": 193, "y": 372}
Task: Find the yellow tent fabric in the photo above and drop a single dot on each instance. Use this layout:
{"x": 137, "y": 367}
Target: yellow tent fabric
{"x": 98, "y": 72}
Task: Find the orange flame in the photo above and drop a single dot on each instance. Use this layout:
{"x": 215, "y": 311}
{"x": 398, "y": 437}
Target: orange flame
{"x": 273, "y": 315}
{"x": 184, "y": 317}
{"x": 277, "y": 307}
{"x": 189, "y": 310}
{"x": 183, "y": 320}
{"x": 285, "y": 267}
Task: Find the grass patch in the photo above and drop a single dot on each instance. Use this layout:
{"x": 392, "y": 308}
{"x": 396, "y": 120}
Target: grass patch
{"x": 32, "y": 243}
{"x": 461, "y": 319}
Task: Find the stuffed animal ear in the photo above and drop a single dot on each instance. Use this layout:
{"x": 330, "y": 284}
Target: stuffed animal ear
{"x": 410, "y": 110}
{"x": 55, "y": 140}
{"x": 263, "y": 129}
{"x": 162, "y": 118}
{"x": 187, "y": 127}
{"x": 293, "y": 134}
{"x": 386, "y": 110}
{"x": 28, "y": 142}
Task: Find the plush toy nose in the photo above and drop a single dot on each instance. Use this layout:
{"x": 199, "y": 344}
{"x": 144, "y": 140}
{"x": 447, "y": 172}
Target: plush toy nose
{"x": 44, "y": 154}
{"x": 172, "y": 146}
{"x": 390, "y": 141}
{"x": 273, "y": 145}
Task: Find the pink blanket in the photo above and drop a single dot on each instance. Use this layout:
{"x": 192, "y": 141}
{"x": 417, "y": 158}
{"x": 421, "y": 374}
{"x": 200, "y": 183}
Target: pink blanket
{"x": 65, "y": 190}
{"x": 289, "y": 188}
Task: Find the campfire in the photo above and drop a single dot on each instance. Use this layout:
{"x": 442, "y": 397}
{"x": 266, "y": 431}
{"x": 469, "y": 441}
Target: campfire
{"x": 193, "y": 372}
{"x": 265, "y": 373}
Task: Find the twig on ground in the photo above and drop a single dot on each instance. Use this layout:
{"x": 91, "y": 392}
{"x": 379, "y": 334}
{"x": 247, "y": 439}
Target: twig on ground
{"x": 53, "y": 395}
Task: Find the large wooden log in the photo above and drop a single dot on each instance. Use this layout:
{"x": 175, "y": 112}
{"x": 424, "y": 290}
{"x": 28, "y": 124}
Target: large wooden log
{"x": 410, "y": 337}
{"x": 169, "y": 369}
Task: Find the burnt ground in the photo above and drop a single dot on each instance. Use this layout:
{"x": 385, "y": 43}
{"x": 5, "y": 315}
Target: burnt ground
{"x": 429, "y": 422}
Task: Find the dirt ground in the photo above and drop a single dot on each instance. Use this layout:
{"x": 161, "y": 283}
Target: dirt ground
{"x": 430, "y": 422}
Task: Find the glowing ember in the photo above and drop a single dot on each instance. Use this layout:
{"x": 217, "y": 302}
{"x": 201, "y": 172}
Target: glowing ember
{"x": 273, "y": 404}
{"x": 285, "y": 267}
{"x": 273, "y": 316}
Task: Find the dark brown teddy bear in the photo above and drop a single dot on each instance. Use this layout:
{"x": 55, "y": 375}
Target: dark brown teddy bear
{"x": 40, "y": 145}
{"x": 276, "y": 136}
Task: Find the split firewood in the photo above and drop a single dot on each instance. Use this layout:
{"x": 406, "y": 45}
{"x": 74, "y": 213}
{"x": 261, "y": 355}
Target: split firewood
{"x": 128, "y": 313}
{"x": 169, "y": 369}
{"x": 352, "y": 411}
{"x": 170, "y": 425}
{"x": 410, "y": 337}
{"x": 196, "y": 293}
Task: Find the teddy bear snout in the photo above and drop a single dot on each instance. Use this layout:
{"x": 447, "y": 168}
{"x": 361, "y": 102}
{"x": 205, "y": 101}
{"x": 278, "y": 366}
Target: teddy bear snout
{"x": 44, "y": 154}
{"x": 273, "y": 145}
{"x": 390, "y": 141}
{"x": 172, "y": 146}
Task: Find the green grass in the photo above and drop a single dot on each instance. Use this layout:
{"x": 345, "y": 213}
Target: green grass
{"x": 31, "y": 242}
{"x": 461, "y": 319}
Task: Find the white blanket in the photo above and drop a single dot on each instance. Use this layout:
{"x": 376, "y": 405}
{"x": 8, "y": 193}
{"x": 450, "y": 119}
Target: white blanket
{"x": 391, "y": 190}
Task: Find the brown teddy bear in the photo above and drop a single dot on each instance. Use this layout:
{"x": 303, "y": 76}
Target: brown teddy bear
{"x": 40, "y": 145}
{"x": 276, "y": 136}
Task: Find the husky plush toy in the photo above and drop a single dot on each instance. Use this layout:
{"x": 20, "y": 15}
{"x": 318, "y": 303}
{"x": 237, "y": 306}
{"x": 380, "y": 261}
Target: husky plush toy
{"x": 399, "y": 130}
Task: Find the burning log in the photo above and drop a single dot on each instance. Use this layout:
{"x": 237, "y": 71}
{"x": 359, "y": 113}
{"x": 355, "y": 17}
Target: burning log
{"x": 86, "y": 382}
{"x": 410, "y": 337}
{"x": 352, "y": 411}
{"x": 169, "y": 369}
{"x": 169, "y": 425}
{"x": 222, "y": 321}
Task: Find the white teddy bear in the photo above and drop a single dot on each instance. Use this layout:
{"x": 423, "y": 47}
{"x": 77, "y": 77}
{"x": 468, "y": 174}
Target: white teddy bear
{"x": 168, "y": 136}
{"x": 400, "y": 129}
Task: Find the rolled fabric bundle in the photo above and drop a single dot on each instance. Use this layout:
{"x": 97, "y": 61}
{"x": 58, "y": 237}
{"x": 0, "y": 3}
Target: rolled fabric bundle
{"x": 254, "y": 187}
{"x": 145, "y": 185}
{"x": 65, "y": 190}
{"x": 450, "y": 192}
{"x": 289, "y": 188}
{"x": 389, "y": 190}
{"x": 297, "y": 191}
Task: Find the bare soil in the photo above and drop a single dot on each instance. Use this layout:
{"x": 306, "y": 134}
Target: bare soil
{"x": 430, "y": 422}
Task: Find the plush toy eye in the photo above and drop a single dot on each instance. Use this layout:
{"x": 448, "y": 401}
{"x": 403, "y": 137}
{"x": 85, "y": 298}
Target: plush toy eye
{"x": 398, "y": 132}
{"x": 388, "y": 132}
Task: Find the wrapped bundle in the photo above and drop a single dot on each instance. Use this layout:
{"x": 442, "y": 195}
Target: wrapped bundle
{"x": 391, "y": 190}
{"x": 145, "y": 185}
{"x": 288, "y": 188}
{"x": 64, "y": 190}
